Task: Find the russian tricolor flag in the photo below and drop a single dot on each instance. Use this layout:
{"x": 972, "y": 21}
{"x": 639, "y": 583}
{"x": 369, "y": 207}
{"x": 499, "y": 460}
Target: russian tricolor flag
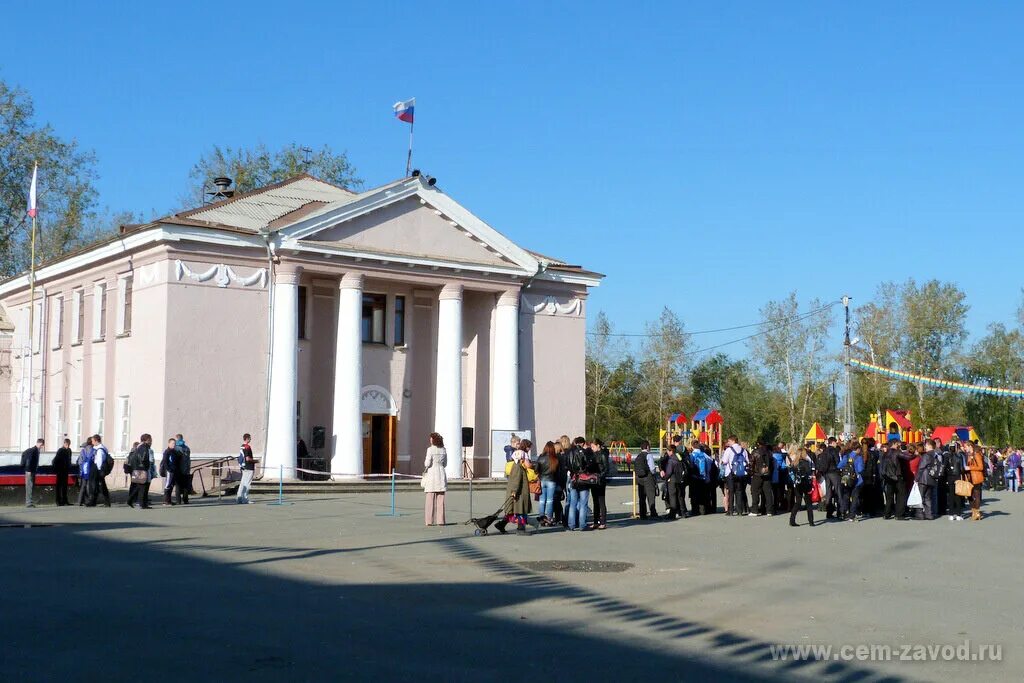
{"x": 32, "y": 192}
{"x": 404, "y": 110}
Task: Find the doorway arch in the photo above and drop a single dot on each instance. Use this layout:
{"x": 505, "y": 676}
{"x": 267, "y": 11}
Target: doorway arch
{"x": 379, "y": 429}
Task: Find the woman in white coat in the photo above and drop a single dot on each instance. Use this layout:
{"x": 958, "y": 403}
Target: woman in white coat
{"x": 435, "y": 482}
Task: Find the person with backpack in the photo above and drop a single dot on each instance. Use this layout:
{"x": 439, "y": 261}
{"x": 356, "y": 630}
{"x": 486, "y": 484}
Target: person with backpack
{"x": 801, "y": 469}
{"x": 138, "y": 465}
{"x": 580, "y": 462}
{"x": 700, "y": 479}
{"x": 869, "y": 477}
{"x": 672, "y": 473}
{"x": 929, "y": 472}
{"x": 183, "y": 474}
{"x": 851, "y": 469}
{"x": 103, "y": 465}
{"x": 780, "y": 478}
{"x": 734, "y": 463}
{"x": 762, "y": 469}
{"x": 892, "y": 463}
{"x": 827, "y": 466}
{"x": 86, "y": 465}
{"x": 646, "y": 487}
{"x": 247, "y": 463}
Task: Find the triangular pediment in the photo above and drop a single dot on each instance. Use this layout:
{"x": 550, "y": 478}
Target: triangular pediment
{"x": 409, "y": 227}
{"x": 414, "y": 220}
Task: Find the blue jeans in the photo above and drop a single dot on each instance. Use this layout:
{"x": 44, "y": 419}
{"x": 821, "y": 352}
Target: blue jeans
{"x": 578, "y": 502}
{"x": 1011, "y": 484}
{"x": 547, "y": 497}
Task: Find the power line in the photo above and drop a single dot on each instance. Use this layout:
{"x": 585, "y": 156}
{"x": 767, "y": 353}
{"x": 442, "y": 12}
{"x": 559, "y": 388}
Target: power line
{"x": 776, "y": 323}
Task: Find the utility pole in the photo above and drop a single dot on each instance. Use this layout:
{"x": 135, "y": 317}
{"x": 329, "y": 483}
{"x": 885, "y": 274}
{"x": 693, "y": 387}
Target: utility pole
{"x": 848, "y": 408}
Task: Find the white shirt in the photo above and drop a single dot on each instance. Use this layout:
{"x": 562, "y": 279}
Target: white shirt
{"x": 97, "y": 455}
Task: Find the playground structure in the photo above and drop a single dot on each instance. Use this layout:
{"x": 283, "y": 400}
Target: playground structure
{"x": 705, "y": 426}
{"x": 620, "y": 456}
{"x": 895, "y": 422}
{"x": 960, "y": 433}
{"x": 815, "y": 434}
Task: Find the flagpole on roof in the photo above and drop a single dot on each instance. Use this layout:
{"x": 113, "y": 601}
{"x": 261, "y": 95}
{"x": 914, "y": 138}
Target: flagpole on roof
{"x": 408, "y": 158}
{"x": 31, "y": 302}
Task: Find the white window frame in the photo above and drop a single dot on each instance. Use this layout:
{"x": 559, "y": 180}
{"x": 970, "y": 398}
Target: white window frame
{"x": 76, "y": 435}
{"x": 99, "y": 295}
{"x": 99, "y": 416}
{"x": 124, "y": 285}
{"x": 77, "y": 301}
{"x": 58, "y": 419}
{"x": 58, "y": 321}
{"x": 124, "y": 417}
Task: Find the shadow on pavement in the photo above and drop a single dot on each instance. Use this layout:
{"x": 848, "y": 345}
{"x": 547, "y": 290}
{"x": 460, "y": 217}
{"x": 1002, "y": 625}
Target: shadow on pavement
{"x": 85, "y": 606}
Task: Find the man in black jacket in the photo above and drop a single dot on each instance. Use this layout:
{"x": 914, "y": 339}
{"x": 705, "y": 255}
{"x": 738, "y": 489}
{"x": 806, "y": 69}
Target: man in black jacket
{"x": 30, "y": 463}
{"x": 61, "y": 467}
{"x": 671, "y": 474}
{"x": 646, "y": 487}
{"x": 827, "y": 464}
{"x": 954, "y": 466}
{"x": 892, "y": 480}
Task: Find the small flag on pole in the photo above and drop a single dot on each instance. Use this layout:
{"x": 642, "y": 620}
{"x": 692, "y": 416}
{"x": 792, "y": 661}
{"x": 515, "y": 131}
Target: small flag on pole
{"x": 32, "y": 192}
{"x": 404, "y": 110}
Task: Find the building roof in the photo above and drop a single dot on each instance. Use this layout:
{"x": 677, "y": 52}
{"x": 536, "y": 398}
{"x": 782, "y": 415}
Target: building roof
{"x": 256, "y": 210}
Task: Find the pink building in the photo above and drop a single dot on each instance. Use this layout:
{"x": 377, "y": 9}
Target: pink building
{"x": 359, "y": 322}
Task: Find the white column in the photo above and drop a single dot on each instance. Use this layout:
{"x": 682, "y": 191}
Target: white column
{"x": 505, "y": 363}
{"x": 284, "y": 362}
{"x": 347, "y": 439}
{"x": 448, "y": 384}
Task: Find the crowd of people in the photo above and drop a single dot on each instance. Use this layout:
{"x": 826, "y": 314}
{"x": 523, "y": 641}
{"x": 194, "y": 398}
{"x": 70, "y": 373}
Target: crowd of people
{"x": 844, "y": 481}
{"x": 142, "y": 467}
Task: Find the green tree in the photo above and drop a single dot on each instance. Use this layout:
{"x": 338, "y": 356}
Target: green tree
{"x": 792, "y": 347}
{"x": 997, "y": 360}
{"x": 254, "y": 167}
{"x": 66, "y": 197}
{"x": 604, "y": 353}
{"x": 663, "y": 364}
{"x": 934, "y": 329}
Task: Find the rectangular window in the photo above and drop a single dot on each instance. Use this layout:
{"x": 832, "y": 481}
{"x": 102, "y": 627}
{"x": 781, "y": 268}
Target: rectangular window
{"x": 124, "y": 414}
{"x": 124, "y": 309}
{"x": 76, "y": 426}
{"x": 98, "y": 416}
{"x": 77, "y": 316}
{"x": 58, "y": 418}
{"x": 374, "y": 306}
{"x": 58, "y": 322}
{"x": 99, "y": 311}
{"x": 399, "y": 321}
{"x": 302, "y": 312}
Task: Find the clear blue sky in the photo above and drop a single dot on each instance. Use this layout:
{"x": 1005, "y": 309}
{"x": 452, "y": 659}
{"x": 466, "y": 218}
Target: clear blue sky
{"x": 787, "y": 146}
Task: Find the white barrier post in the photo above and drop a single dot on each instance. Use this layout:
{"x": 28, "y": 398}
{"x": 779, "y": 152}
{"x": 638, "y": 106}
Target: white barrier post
{"x": 394, "y": 512}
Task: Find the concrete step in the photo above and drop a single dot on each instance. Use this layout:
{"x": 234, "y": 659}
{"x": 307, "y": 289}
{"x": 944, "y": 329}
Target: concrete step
{"x": 371, "y": 486}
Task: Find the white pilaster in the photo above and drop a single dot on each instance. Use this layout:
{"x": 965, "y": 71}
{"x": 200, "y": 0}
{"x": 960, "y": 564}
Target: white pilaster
{"x": 448, "y": 396}
{"x": 505, "y": 363}
{"x": 347, "y": 441}
{"x": 284, "y": 362}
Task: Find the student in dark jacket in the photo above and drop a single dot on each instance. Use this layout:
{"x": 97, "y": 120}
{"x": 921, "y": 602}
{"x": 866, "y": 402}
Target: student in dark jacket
{"x": 168, "y": 468}
{"x": 827, "y": 466}
{"x": 603, "y": 461}
{"x": 762, "y": 466}
{"x": 30, "y": 463}
{"x": 928, "y": 474}
{"x": 870, "y": 492}
{"x": 952, "y": 459}
{"x": 672, "y": 473}
{"x": 61, "y": 468}
{"x": 646, "y": 486}
{"x": 892, "y": 464}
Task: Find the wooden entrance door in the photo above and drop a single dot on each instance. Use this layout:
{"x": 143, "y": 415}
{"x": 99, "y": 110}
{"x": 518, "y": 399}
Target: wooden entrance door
{"x": 380, "y": 435}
